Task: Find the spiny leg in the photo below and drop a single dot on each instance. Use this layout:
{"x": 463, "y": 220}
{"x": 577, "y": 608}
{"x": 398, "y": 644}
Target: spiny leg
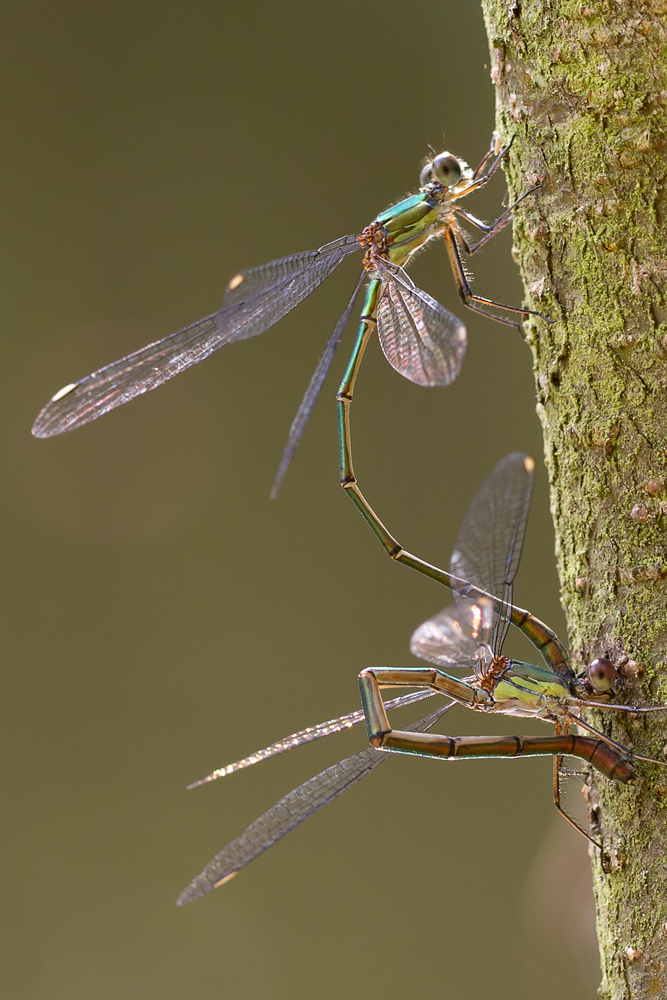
{"x": 495, "y": 226}
{"x": 470, "y": 300}
{"x": 558, "y": 766}
{"x": 479, "y": 182}
{"x": 490, "y": 231}
{"x": 630, "y": 709}
{"x": 493, "y": 151}
{"x": 474, "y": 221}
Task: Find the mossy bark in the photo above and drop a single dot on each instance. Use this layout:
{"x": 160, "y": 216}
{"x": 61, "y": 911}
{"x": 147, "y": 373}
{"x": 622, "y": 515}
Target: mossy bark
{"x": 582, "y": 89}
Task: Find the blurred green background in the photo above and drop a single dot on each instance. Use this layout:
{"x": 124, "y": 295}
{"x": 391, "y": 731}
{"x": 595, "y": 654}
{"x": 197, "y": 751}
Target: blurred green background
{"x": 160, "y": 616}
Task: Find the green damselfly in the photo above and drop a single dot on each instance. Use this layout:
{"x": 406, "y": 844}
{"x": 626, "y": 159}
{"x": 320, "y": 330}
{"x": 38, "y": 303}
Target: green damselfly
{"x": 420, "y": 338}
{"x": 468, "y": 635}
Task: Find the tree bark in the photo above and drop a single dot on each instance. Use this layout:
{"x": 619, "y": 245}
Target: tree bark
{"x": 582, "y": 89}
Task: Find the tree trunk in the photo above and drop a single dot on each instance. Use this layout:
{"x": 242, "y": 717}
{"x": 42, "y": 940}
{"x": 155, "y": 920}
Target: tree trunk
{"x": 582, "y": 89}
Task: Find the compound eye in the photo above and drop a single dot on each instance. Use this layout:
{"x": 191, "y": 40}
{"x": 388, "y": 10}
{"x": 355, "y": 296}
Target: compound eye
{"x": 447, "y": 169}
{"x": 426, "y": 175}
{"x": 602, "y": 674}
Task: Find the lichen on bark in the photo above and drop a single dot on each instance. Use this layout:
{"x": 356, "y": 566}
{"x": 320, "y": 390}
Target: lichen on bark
{"x": 582, "y": 89}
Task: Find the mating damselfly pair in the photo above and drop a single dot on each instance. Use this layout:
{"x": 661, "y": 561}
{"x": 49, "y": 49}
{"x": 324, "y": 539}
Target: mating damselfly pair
{"x": 468, "y": 635}
{"x": 425, "y": 343}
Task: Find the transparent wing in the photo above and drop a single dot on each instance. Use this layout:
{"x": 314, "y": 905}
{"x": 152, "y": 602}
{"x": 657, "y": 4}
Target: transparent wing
{"x": 291, "y": 810}
{"x": 312, "y": 392}
{"x": 456, "y": 637}
{"x": 244, "y": 284}
{"x": 489, "y": 543}
{"x": 308, "y": 735}
{"x": 146, "y": 369}
{"x": 419, "y": 337}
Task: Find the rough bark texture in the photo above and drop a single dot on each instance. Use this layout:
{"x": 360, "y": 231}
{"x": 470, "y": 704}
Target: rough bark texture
{"x": 582, "y": 88}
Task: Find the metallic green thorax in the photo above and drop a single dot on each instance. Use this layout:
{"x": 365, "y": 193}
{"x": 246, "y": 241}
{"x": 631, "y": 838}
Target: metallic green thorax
{"x": 409, "y": 224}
{"x": 528, "y": 690}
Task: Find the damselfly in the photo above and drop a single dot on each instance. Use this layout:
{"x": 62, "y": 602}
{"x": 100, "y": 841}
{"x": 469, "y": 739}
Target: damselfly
{"x": 420, "y": 338}
{"x": 469, "y": 635}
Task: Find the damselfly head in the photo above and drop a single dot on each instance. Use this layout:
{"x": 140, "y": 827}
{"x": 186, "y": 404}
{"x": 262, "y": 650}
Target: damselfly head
{"x": 446, "y": 169}
{"x": 601, "y": 673}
